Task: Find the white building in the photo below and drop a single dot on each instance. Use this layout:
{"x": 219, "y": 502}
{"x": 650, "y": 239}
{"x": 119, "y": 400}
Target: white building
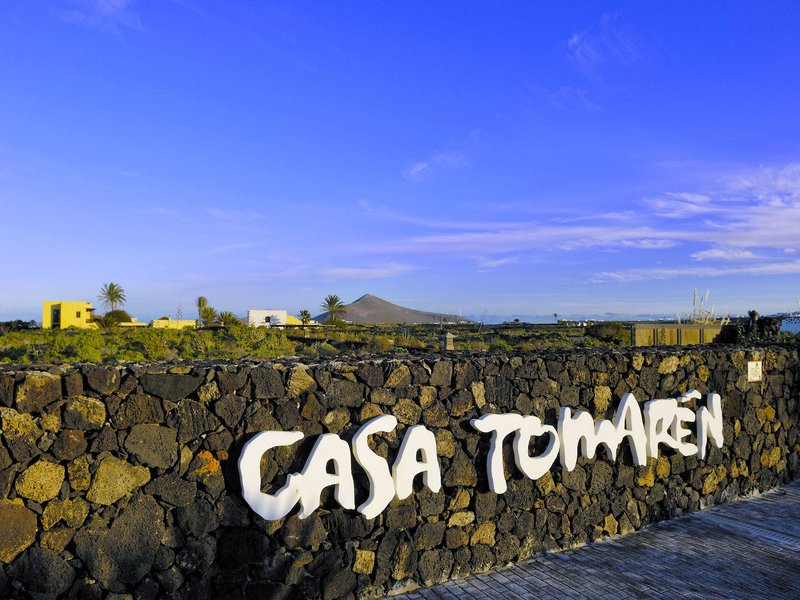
{"x": 267, "y": 318}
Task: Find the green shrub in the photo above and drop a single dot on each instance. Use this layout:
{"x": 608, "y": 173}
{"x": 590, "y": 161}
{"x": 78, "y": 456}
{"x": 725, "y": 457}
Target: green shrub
{"x": 379, "y": 344}
{"x": 500, "y": 345}
{"x": 114, "y": 317}
{"x": 612, "y": 332}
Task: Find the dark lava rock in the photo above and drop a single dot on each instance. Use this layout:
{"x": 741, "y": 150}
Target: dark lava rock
{"x": 69, "y": 444}
{"x": 482, "y": 559}
{"x": 574, "y": 480}
{"x": 154, "y": 445}
{"x": 506, "y": 548}
{"x": 462, "y": 471}
{"x": 6, "y": 389}
{"x": 42, "y": 571}
{"x": 37, "y": 391}
{"x": 105, "y": 441}
{"x": 239, "y": 547}
{"x": 173, "y": 489}
{"x": 304, "y": 533}
{"x": 198, "y": 518}
{"x": 103, "y": 381}
{"x": 230, "y": 382}
{"x": 123, "y": 554}
{"x": 192, "y": 419}
{"x": 343, "y": 392}
{"x": 519, "y": 494}
{"x": 170, "y": 386}
{"x": 485, "y": 507}
{"x": 435, "y": 566}
{"x": 139, "y": 408}
{"x": 442, "y": 373}
{"x": 372, "y": 375}
{"x": 464, "y": 374}
{"x": 430, "y": 504}
{"x": 230, "y": 409}
{"x": 344, "y": 526}
{"x": 267, "y": 383}
{"x": 338, "y": 584}
{"x": 197, "y": 555}
{"x": 403, "y": 516}
{"x": 602, "y": 474}
{"x": 429, "y": 535}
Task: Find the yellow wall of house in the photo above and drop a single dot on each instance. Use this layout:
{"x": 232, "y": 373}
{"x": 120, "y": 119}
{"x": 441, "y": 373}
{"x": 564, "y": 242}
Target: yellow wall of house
{"x": 70, "y": 314}
{"x": 174, "y": 324}
{"x": 656, "y": 334}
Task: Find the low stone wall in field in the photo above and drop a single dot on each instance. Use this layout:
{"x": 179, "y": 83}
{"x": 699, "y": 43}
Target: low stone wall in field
{"x": 125, "y": 480}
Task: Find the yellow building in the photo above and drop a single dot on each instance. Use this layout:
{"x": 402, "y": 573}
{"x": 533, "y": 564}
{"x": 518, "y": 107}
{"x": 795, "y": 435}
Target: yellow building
{"x": 132, "y": 323}
{"x": 63, "y": 315}
{"x": 174, "y": 323}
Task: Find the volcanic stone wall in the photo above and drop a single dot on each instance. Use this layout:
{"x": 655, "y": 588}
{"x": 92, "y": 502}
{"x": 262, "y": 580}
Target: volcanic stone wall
{"x": 122, "y": 481}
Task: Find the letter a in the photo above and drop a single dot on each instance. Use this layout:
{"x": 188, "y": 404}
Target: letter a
{"x": 417, "y": 439}
{"x": 628, "y": 423}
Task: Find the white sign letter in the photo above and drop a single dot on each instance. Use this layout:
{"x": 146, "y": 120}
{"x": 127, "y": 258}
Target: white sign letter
{"x": 500, "y": 426}
{"x": 381, "y": 484}
{"x": 628, "y": 423}
{"x": 658, "y": 418}
{"x": 417, "y": 439}
{"x": 709, "y": 424}
{"x": 683, "y": 414}
{"x": 268, "y": 506}
{"x": 582, "y": 428}
{"x": 534, "y": 466}
{"x": 329, "y": 447}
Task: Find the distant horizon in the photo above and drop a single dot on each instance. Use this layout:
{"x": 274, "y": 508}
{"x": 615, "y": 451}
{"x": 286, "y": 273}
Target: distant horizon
{"x": 522, "y": 159}
{"x": 486, "y": 317}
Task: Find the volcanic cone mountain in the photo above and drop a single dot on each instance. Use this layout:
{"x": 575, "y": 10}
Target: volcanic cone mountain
{"x": 371, "y": 309}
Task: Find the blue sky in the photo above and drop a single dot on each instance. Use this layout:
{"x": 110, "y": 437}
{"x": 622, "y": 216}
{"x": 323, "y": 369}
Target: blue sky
{"x": 513, "y": 158}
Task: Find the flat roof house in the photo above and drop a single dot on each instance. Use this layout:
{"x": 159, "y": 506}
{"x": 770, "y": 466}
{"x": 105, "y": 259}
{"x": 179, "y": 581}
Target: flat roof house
{"x": 58, "y": 314}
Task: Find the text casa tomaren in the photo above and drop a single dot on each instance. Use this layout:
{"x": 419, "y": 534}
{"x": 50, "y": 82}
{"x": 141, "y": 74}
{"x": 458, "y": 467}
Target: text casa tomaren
{"x": 661, "y": 422}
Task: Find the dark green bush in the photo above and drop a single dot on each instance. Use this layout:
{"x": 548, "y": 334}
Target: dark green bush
{"x": 612, "y": 332}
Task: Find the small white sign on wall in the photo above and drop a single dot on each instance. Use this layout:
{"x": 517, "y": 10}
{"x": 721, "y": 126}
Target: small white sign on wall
{"x": 754, "y": 370}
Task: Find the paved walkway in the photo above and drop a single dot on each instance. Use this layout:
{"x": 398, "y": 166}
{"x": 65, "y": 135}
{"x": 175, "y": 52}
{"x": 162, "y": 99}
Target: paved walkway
{"x": 745, "y": 549}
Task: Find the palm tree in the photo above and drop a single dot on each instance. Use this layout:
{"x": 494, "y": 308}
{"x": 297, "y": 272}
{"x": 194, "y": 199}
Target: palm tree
{"x": 334, "y": 307}
{"x": 227, "y": 319}
{"x": 305, "y": 317}
{"x": 112, "y": 295}
{"x": 205, "y": 313}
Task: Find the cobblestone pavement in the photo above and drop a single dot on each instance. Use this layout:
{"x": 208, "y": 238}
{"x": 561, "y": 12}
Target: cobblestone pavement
{"x": 745, "y": 549}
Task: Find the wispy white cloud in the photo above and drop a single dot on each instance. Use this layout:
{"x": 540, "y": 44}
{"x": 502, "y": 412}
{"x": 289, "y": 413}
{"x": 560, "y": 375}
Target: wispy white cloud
{"x": 746, "y": 222}
{"x": 727, "y": 254}
{"x": 572, "y": 98}
{"x": 649, "y": 244}
{"x": 683, "y": 205}
{"x": 422, "y": 169}
{"x": 488, "y": 264}
{"x": 111, "y": 16}
{"x": 625, "y": 275}
{"x": 517, "y": 237}
{"x": 377, "y": 272}
{"x": 608, "y": 41}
